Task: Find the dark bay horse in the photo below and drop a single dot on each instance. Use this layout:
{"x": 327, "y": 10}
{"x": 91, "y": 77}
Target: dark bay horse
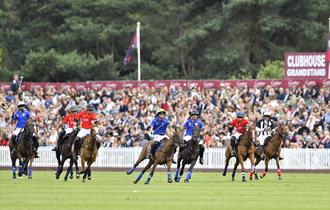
{"x": 24, "y": 152}
{"x": 65, "y": 151}
{"x": 162, "y": 156}
{"x": 88, "y": 153}
{"x": 245, "y": 150}
{"x": 272, "y": 149}
{"x": 188, "y": 155}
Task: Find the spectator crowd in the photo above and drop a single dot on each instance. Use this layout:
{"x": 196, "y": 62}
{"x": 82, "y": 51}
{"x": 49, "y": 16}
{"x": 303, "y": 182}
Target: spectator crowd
{"x": 124, "y": 114}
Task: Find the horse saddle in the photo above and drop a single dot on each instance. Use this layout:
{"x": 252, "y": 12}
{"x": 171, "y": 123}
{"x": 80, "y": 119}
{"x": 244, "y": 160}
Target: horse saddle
{"x": 267, "y": 140}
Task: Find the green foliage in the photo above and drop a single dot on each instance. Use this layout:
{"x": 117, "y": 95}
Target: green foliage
{"x": 272, "y": 70}
{"x": 196, "y": 39}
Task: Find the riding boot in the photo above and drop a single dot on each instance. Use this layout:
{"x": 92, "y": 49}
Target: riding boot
{"x": 13, "y": 142}
{"x": 233, "y": 146}
{"x": 35, "y": 146}
{"x": 262, "y": 154}
{"x": 201, "y": 154}
{"x": 154, "y": 147}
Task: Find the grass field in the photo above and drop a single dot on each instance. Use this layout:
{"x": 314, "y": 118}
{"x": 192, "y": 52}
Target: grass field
{"x": 115, "y": 190}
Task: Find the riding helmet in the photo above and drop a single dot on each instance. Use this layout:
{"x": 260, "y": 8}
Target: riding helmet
{"x": 240, "y": 114}
{"x": 21, "y": 103}
{"x": 194, "y": 112}
{"x": 267, "y": 114}
{"x": 90, "y": 107}
{"x": 160, "y": 111}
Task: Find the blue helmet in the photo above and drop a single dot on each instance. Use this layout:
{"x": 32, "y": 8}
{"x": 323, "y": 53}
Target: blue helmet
{"x": 240, "y": 114}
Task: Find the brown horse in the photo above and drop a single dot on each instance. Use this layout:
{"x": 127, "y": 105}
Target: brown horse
{"x": 245, "y": 150}
{"x": 162, "y": 156}
{"x": 88, "y": 153}
{"x": 24, "y": 152}
{"x": 272, "y": 149}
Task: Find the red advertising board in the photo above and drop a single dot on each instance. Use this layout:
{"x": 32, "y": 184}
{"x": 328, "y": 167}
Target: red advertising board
{"x": 203, "y": 84}
{"x": 306, "y": 65}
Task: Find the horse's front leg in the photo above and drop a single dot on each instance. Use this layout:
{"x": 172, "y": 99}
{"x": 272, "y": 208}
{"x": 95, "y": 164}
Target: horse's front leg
{"x": 143, "y": 171}
{"x": 13, "y": 164}
{"x": 241, "y": 161}
{"x": 228, "y": 156}
{"x": 83, "y": 170}
{"x": 151, "y": 172}
{"x": 234, "y": 170}
{"x": 266, "y": 168}
{"x": 68, "y": 170}
{"x": 189, "y": 173}
{"x": 278, "y": 167}
{"x": 253, "y": 168}
{"x": 177, "y": 176}
{"x": 142, "y": 157}
{"x": 169, "y": 174}
{"x": 30, "y": 168}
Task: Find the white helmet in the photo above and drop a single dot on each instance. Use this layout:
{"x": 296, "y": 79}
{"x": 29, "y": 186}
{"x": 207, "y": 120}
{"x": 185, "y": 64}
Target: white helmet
{"x": 267, "y": 114}
{"x": 21, "y": 103}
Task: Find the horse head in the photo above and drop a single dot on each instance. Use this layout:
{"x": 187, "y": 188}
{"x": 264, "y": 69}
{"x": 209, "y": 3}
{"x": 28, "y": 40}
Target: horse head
{"x": 196, "y": 133}
{"x": 250, "y": 133}
{"x": 283, "y": 131}
{"x": 177, "y": 135}
{"x": 29, "y": 127}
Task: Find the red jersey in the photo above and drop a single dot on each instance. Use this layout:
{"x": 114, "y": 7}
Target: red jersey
{"x": 69, "y": 120}
{"x": 86, "y": 119}
{"x": 240, "y": 126}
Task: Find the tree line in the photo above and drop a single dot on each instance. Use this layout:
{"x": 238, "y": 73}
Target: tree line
{"x": 79, "y": 40}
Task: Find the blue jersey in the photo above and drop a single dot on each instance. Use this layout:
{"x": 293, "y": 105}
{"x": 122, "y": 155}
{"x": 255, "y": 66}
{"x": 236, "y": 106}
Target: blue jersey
{"x": 159, "y": 126}
{"x": 21, "y": 117}
{"x": 190, "y": 124}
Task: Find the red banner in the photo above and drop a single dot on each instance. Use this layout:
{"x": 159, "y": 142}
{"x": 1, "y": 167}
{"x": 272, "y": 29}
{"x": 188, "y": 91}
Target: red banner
{"x": 203, "y": 84}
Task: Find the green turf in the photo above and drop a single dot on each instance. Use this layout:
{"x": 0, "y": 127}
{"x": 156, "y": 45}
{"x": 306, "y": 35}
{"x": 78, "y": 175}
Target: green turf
{"x": 115, "y": 190}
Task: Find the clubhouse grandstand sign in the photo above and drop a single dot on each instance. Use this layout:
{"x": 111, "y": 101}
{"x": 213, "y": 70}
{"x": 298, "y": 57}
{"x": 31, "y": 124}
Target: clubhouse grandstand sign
{"x": 158, "y": 84}
{"x": 306, "y": 65}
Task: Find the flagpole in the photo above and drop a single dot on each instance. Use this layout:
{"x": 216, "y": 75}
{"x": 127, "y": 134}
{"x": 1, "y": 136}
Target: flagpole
{"x": 328, "y": 49}
{"x": 138, "y": 49}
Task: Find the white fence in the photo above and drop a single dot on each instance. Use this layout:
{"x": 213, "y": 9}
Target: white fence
{"x": 301, "y": 159}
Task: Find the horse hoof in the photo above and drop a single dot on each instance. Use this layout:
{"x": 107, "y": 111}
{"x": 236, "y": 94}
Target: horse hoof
{"x": 14, "y": 177}
{"x": 256, "y": 177}
{"x": 223, "y": 174}
{"x": 279, "y": 178}
{"x": 77, "y": 176}
{"x": 186, "y": 181}
{"x": 19, "y": 174}
{"x": 233, "y": 179}
{"x": 146, "y": 183}
{"x": 65, "y": 179}
{"x": 30, "y": 177}
{"x": 71, "y": 177}
{"x": 169, "y": 180}
{"x": 244, "y": 180}
{"x": 177, "y": 179}
{"x": 89, "y": 178}
{"x": 261, "y": 177}
{"x": 135, "y": 182}
{"x": 83, "y": 180}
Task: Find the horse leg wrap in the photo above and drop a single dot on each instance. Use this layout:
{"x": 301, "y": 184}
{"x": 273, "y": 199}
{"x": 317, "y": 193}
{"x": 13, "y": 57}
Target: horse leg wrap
{"x": 140, "y": 176}
{"x": 169, "y": 175}
{"x": 131, "y": 170}
{"x": 30, "y": 171}
{"x": 189, "y": 175}
{"x": 177, "y": 173}
{"x": 14, "y": 171}
{"x": 149, "y": 178}
{"x": 279, "y": 172}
